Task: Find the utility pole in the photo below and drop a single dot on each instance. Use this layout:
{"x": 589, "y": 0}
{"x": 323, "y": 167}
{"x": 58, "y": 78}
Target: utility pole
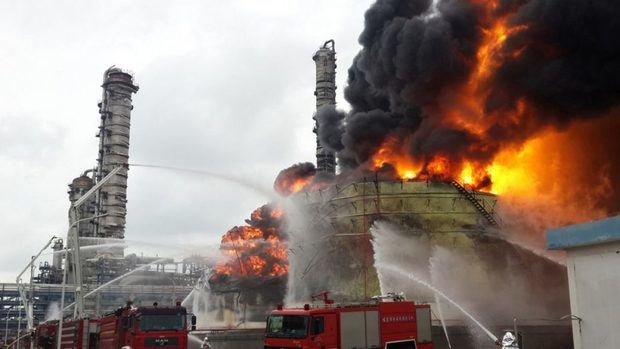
{"x": 78, "y": 311}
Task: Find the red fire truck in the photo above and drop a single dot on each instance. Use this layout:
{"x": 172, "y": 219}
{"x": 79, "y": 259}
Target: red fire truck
{"x": 134, "y": 327}
{"x": 386, "y": 322}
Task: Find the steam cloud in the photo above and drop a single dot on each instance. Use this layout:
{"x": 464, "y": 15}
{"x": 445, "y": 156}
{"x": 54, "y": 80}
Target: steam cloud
{"x": 494, "y": 278}
{"x": 53, "y": 312}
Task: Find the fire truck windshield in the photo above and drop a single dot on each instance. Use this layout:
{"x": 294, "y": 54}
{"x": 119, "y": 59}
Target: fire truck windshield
{"x": 287, "y": 326}
{"x": 161, "y": 322}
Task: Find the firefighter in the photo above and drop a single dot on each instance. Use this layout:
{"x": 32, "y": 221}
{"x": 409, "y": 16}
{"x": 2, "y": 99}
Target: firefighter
{"x": 508, "y": 341}
{"x": 205, "y": 343}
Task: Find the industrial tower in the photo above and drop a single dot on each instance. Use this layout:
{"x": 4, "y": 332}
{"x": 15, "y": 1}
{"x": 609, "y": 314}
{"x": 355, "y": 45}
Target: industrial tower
{"x": 115, "y": 110}
{"x": 325, "y": 92}
{"x": 103, "y": 215}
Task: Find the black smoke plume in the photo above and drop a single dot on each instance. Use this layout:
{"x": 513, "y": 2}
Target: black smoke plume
{"x": 330, "y": 129}
{"x": 562, "y": 63}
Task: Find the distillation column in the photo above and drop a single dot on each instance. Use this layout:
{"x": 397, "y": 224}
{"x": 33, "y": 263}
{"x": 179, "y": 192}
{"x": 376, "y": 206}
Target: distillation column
{"x": 116, "y": 106}
{"x": 325, "y": 60}
{"x": 79, "y": 222}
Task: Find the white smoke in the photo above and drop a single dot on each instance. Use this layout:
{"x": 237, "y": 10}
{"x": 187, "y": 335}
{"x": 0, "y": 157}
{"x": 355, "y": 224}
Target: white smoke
{"x": 496, "y": 280}
{"x": 308, "y": 231}
{"x": 53, "y": 312}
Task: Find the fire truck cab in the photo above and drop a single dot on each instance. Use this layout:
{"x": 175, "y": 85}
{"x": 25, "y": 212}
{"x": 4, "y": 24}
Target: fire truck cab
{"x": 386, "y": 322}
{"x": 134, "y": 327}
{"x": 144, "y": 327}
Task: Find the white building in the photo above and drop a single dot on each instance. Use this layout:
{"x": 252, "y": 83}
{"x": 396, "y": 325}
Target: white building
{"x": 593, "y": 265}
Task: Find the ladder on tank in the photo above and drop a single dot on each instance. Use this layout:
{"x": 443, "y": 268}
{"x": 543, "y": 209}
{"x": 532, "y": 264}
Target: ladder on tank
{"x": 475, "y": 202}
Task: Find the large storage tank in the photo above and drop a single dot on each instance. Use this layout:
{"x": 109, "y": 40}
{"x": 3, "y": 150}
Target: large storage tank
{"x": 342, "y": 214}
{"x": 333, "y": 249}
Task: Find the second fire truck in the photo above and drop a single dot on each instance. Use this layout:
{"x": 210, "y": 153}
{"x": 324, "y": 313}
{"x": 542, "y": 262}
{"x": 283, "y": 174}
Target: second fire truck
{"x": 386, "y": 322}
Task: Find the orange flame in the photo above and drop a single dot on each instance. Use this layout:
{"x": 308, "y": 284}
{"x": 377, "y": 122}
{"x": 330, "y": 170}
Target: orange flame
{"x": 392, "y": 153}
{"x": 465, "y": 112}
{"x": 276, "y": 213}
{"x": 293, "y": 185}
{"x": 255, "y": 250}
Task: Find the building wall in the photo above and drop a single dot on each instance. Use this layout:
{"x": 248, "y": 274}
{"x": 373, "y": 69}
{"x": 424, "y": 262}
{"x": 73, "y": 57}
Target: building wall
{"x": 594, "y": 281}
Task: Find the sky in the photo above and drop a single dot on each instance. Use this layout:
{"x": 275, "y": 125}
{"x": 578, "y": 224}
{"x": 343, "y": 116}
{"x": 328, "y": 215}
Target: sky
{"x": 225, "y": 86}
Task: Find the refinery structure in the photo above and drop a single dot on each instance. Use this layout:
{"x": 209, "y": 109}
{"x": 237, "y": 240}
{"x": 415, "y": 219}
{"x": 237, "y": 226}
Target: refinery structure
{"x": 443, "y": 206}
{"x": 97, "y": 214}
{"x": 336, "y": 251}
{"x": 337, "y": 256}
{"x": 330, "y": 245}
{"x": 273, "y": 260}
{"x": 345, "y": 210}
{"x": 325, "y": 92}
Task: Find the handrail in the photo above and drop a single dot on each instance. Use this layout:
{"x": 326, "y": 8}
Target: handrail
{"x": 475, "y": 202}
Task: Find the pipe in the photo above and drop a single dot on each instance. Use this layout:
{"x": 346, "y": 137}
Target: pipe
{"x": 19, "y": 327}
{"x": 62, "y": 303}
{"x": 64, "y": 282}
{"x": 17, "y": 340}
{"x": 88, "y": 171}
{"x": 96, "y": 187}
{"x": 30, "y": 309}
{"x": 6, "y": 326}
{"x": 333, "y": 46}
{"x": 34, "y": 258}
{"x": 26, "y": 302}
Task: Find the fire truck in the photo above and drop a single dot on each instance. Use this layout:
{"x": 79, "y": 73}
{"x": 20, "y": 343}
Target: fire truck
{"x": 134, "y": 327}
{"x": 388, "y": 322}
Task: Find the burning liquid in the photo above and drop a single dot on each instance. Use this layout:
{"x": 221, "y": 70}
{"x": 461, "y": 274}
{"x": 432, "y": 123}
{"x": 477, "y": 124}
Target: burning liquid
{"x": 254, "y": 250}
{"x": 411, "y": 276}
{"x": 492, "y": 94}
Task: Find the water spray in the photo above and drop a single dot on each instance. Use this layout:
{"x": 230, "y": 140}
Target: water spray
{"x": 438, "y": 292}
{"x": 432, "y": 261}
{"x": 224, "y": 177}
{"x": 116, "y": 279}
{"x": 89, "y": 247}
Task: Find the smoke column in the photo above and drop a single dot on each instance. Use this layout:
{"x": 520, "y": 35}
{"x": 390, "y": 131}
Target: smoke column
{"x": 490, "y": 88}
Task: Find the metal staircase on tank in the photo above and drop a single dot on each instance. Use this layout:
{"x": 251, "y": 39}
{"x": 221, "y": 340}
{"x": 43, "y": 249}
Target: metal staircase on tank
{"x": 474, "y": 201}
